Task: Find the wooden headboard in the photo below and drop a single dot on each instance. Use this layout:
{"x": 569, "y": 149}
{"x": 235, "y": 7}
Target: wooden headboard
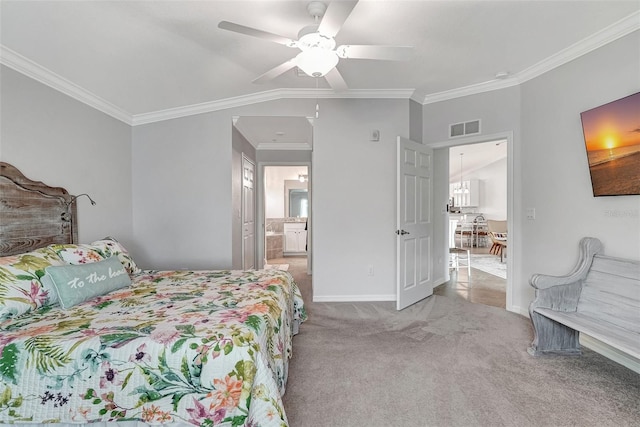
{"x": 32, "y": 214}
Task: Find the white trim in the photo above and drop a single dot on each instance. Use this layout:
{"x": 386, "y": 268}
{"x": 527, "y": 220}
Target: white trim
{"x": 283, "y": 146}
{"x": 610, "y": 352}
{"x": 513, "y": 237}
{"x": 261, "y": 218}
{"x": 605, "y": 36}
{"x": 519, "y": 310}
{"x": 469, "y": 90}
{"x": 37, "y": 72}
{"x": 41, "y": 74}
{"x": 270, "y": 95}
{"x": 246, "y": 159}
{"x": 353, "y": 298}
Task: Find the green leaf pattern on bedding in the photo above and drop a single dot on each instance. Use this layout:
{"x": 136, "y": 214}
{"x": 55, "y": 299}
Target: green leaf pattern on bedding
{"x": 207, "y": 348}
{"x": 21, "y": 288}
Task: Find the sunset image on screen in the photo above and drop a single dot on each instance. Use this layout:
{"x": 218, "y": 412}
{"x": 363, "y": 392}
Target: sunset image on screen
{"x": 612, "y": 139}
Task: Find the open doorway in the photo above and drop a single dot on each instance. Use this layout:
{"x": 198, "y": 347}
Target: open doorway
{"x": 478, "y": 216}
{"x": 286, "y": 213}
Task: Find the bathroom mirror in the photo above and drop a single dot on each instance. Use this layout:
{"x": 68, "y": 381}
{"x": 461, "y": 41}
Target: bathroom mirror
{"x": 298, "y": 203}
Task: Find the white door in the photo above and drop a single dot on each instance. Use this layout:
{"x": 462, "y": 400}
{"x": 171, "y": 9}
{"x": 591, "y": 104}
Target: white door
{"x": 414, "y": 269}
{"x": 248, "y": 214}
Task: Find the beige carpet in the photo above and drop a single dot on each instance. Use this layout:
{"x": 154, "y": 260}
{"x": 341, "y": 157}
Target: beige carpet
{"x": 444, "y": 362}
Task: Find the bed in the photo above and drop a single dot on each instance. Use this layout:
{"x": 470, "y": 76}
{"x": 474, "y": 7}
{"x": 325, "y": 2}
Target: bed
{"x": 88, "y": 337}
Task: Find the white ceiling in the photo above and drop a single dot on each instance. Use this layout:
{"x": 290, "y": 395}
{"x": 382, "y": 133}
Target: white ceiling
{"x": 135, "y": 59}
{"x": 474, "y": 157}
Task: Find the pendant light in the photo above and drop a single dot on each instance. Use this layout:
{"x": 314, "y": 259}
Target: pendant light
{"x": 463, "y": 185}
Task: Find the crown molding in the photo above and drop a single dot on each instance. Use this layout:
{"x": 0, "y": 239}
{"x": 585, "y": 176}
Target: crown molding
{"x": 41, "y": 74}
{"x": 469, "y": 90}
{"x": 270, "y": 95}
{"x": 603, "y": 37}
{"x": 45, "y": 76}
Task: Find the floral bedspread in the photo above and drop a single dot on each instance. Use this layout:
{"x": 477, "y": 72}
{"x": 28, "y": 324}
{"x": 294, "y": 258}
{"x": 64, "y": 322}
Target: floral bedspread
{"x": 206, "y": 348}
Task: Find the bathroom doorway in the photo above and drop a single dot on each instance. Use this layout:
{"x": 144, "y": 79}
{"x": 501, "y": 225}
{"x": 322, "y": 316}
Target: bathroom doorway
{"x": 286, "y": 213}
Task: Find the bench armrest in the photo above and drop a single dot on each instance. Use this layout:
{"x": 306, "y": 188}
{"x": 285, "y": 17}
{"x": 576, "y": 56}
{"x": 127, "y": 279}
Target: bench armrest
{"x": 589, "y": 247}
{"x": 561, "y": 293}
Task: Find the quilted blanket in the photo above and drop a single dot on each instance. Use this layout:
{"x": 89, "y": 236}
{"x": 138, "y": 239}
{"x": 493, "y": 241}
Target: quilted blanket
{"x": 208, "y": 348}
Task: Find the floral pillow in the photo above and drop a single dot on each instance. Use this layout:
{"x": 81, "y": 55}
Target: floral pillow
{"x": 110, "y": 246}
{"x": 76, "y": 253}
{"x": 21, "y": 287}
{"x": 95, "y": 252}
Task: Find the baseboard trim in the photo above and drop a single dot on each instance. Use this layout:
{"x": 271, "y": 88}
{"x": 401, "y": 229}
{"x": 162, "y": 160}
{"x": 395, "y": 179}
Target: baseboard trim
{"x": 610, "y": 352}
{"x": 353, "y": 298}
{"x": 519, "y": 310}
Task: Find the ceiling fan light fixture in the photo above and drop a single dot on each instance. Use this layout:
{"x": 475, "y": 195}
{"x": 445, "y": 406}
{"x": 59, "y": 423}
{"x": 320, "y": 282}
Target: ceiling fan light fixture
{"x": 316, "y": 61}
{"x": 319, "y": 57}
{"x": 309, "y": 37}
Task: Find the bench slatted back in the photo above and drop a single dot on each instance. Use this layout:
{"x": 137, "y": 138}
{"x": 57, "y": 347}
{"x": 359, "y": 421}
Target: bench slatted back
{"x": 611, "y": 292}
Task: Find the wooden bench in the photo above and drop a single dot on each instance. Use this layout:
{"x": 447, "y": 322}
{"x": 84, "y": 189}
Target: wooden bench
{"x": 600, "y": 298}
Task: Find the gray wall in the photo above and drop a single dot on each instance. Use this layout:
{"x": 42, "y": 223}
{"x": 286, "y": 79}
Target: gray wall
{"x": 499, "y": 112}
{"x": 181, "y": 184}
{"x": 182, "y": 189}
{"x": 415, "y": 121}
{"x": 286, "y": 156}
{"x": 554, "y": 170}
{"x": 550, "y": 170}
{"x": 55, "y": 139}
{"x": 183, "y": 169}
{"x": 354, "y": 198}
{"x": 182, "y": 192}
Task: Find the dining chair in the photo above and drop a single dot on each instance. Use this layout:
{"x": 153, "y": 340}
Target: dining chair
{"x": 465, "y": 233}
{"x": 458, "y": 256}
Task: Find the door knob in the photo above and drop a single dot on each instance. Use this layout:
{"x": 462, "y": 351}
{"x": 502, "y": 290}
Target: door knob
{"x": 401, "y": 232}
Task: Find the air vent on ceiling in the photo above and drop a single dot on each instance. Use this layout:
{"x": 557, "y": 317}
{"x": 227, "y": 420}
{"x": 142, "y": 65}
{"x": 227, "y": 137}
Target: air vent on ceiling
{"x": 465, "y": 128}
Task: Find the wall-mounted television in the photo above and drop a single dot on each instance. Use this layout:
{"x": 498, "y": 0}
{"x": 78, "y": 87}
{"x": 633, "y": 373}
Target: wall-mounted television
{"x": 612, "y": 138}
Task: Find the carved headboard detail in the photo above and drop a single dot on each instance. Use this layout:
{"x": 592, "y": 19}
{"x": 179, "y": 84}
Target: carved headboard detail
{"x": 32, "y": 214}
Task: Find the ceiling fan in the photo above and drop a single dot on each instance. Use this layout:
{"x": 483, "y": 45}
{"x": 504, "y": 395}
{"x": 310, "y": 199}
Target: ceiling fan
{"x": 319, "y": 54}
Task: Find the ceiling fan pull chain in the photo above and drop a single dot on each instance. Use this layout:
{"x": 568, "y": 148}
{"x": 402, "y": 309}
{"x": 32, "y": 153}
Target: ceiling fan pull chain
{"x": 317, "y": 104}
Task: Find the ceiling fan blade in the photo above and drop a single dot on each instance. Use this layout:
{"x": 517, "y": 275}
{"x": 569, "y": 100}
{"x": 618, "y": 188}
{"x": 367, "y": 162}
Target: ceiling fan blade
{"x": 335, "y": 80}
{"x": 237, "y": 28}
{"x": 276, "y": 71}
{"x": 337, "y": 12}
{"x": 388, "y": 53}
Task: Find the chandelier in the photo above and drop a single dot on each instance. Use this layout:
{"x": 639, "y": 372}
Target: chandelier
{"x": 461, "y": 187}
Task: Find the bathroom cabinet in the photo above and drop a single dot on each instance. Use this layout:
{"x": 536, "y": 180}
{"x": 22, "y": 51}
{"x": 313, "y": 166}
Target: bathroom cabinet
{"x": 295, "y": 237}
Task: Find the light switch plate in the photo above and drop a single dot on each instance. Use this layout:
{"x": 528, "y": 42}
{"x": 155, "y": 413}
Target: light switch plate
{"x": 531, "y": 213}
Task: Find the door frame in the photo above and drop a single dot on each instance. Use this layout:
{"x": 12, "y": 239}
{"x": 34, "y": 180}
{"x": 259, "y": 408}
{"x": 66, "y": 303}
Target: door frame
{"x": 243, "y": 209}
{"x": 260, "y": 219}
{"x": 513, "y": 235}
